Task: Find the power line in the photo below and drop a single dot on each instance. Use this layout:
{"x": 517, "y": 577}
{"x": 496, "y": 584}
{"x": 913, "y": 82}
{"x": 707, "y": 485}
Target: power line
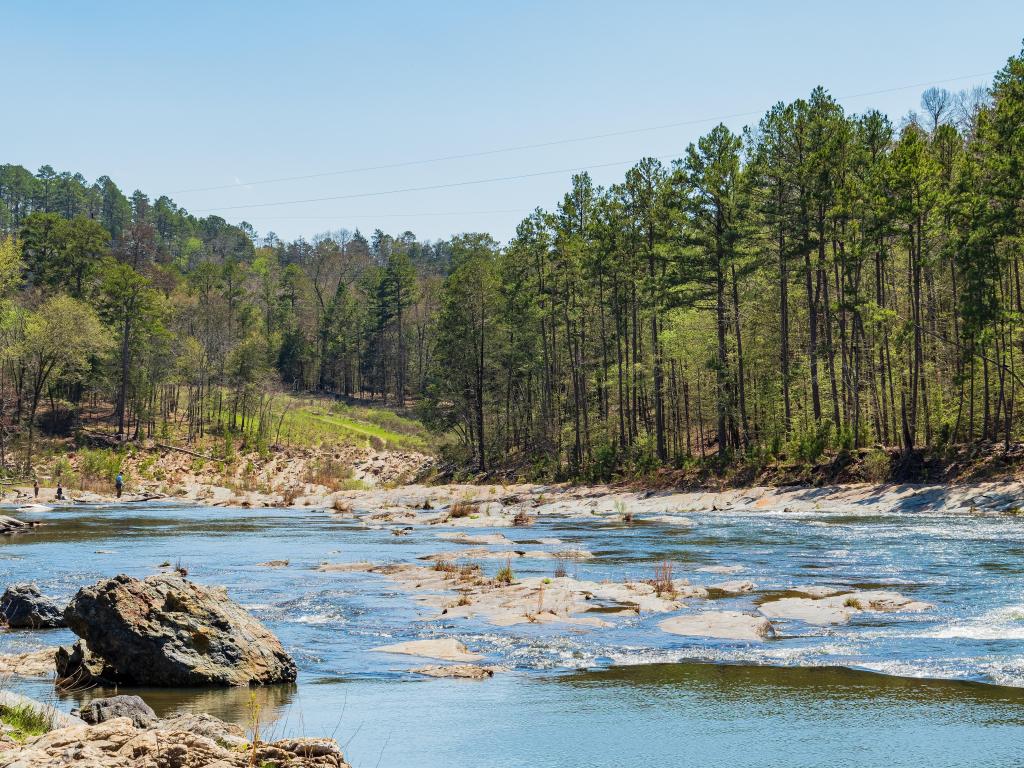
{"x": 554, "y": 143}
{"x": 402, "y": 215}
{"x": 424, "y": 188}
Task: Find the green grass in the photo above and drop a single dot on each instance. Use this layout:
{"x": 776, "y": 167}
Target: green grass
{"x": 317, "y": 422}
{"x": 505, "y": 574}
{"x": 25, "y": 720}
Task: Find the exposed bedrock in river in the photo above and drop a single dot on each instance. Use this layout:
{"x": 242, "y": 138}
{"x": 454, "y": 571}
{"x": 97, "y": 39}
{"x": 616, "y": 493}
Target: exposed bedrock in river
{"x": 167, "y": 631}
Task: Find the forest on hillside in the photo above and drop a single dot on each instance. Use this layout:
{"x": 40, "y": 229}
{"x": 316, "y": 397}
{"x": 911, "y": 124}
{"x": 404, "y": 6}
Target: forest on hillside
{"x": 820, "y": 281}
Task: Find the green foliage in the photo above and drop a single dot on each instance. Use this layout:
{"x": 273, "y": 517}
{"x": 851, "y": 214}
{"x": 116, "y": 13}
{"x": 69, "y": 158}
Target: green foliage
{"x": 809, "y": 444}
{"x": 505, "y": 574}
{"x": 877, "y": 466}
{"x": 25, "y": 720}
{"x": 821, "y": 282}
{"x": 99, "y": 464}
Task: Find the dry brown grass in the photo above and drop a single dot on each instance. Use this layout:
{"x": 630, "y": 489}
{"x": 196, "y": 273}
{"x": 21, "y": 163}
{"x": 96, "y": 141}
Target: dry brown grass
{"x": 663, "y": 584}
{"x": 522, "y": 520}
{"x": 328, "y": 472}
{"x": 463, "y": 509}
{"x": 469, "y": 570}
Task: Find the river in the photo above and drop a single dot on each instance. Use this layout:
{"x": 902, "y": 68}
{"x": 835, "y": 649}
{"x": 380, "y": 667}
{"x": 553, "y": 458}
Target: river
{"x": 942, "y": 687}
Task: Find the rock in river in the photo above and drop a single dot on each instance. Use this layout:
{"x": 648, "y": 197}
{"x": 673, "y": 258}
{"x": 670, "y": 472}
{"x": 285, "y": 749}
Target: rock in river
{"x": 838, "y": 608}
{"x": 23, "y": 606}
{"x": 462, "y": 671}
{"x": 132, "y": 707}
{"x": 725, "y": 625}
{"x": 167, "y": 631}
{"x": 447, "y": 649}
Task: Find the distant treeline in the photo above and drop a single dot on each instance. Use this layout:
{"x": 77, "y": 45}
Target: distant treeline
{"x": 188, "y": 322}
{"x": 819, "y": 281}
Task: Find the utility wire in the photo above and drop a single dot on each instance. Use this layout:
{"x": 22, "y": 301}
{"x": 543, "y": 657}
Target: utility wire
{"x": 424, "y": 188}
{"x": 554, "y": 143}
{"x": 404, "y": 215}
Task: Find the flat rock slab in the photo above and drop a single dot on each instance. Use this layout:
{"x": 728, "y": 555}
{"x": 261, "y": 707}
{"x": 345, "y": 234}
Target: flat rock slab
{"x": 667, "y": 520}
{"x": 446, "y": 649}
{"x": 510, "y": 554}
{"x": 481, "y": 538}
{"x": 820, "y": 612}
{"x": 345, "y": 567}
{"x": 732, "y": 588}
{"x": 839, "y": 608}
{"x": 724, "y": 625}
{"x": 29, "y": 664}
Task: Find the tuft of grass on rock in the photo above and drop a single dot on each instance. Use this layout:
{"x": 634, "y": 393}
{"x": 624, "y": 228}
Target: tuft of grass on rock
{"x": 663, "y": 584}
{"x": 522, "y": 520}
{"x": 624, "y": 514}
{"x": 462, "y": 509}
{"x": 505, "y": 574}
{"x": 24, "y": 721}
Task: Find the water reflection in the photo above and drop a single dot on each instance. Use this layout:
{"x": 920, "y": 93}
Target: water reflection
{"x": 800, "y": 686}
{"x": 231, "y": 704}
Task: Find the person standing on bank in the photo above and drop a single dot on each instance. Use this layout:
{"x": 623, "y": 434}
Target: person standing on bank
{"x": 35, "y": 487}
{"x": 119, "y": 484}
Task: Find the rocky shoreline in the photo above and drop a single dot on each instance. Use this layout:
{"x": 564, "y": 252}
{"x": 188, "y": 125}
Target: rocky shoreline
{"x": 158, "y": 631}
{"x": 498, "y": 504}
{"x": 184, "y": 741}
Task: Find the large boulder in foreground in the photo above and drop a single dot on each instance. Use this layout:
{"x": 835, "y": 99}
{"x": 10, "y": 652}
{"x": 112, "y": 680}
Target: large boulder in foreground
{"x": 167, "y": 631}
{"x": 23, "y": 606}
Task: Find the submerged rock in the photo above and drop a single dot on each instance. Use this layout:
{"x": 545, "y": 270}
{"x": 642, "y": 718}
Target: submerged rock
{"x": 132, "y": 707}
{"x": 13, "y": 525}
{"x": 725, "y": 625}
{"x": 461, "y": 671}
{"x": 23, "y": 606}
{"x": 166, "y": 631}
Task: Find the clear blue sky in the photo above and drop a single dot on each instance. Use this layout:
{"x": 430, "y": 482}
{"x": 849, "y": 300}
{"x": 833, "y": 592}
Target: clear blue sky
{"x": 167, "y": 97}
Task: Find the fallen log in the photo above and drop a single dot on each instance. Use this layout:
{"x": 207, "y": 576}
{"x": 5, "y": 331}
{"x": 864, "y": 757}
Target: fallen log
{"x": 185, "y": 451}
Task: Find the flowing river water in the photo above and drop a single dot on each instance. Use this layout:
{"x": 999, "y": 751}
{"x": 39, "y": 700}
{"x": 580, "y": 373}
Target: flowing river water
{"x": 939, "y": 688}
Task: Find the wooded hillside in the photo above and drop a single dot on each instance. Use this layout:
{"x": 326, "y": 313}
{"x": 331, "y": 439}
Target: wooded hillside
{"x": 819, "y": 281}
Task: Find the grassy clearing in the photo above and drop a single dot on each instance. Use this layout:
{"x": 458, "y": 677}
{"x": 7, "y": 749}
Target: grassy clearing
{"x": 318, "y": 421}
